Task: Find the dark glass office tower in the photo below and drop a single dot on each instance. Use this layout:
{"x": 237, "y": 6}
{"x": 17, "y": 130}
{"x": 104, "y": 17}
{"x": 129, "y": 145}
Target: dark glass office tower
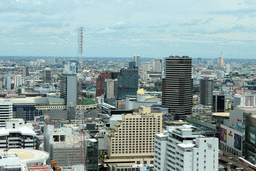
{"x": 206, "y": 86}
{"x": 177, "y": 86}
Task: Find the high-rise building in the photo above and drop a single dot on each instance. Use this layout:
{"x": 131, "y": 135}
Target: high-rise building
{"x": 25, "y": 72}
{"x": 137, "y": 60}
{"x": 228, "y": 68}
{"x": 146, "y": 68}
{"x": 68, "y": 90}
{"x": 183, "y": 148}
{"x": 218, "y": 103}
{"x": 177, "y": 86}
{"x": 7, "y": 82}
{"x": 221, "y": 61}
{"x": 206, "y": 86}
{"x": 127, "y": 83}
{"x": 157, "y": 65}
{"x": 100, "y": 83}
{"x": 6, "y": 113}
{"x": 110, "y": 88}
{"x": 47, "y": 77}
{"x": 132, "y": 140}
{"x": 18, "y": 81}
{"x": 73, "y": 68}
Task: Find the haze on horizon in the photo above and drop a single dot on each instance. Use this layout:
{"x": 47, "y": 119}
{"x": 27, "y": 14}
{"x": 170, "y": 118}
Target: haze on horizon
{"x": 123, "y": 28}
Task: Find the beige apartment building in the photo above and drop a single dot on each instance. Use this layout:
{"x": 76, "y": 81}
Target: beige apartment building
{"x": 132, "y": 141}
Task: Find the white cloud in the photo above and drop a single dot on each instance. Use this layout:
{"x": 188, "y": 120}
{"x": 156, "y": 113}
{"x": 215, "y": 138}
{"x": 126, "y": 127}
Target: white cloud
{"x": 107, "y": 30}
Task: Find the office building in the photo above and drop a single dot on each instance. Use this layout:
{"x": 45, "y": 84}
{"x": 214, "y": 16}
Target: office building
{"x": 137, "y": 60}
{"x": 100, "y": 83}
{"x": 127, "y": 82}
{"x": 206, "y": 86}
{"x": 47, "y": 75}
{"x": 5, "y": 113}
{"x": 183, "y": 148}
{"x": 17, "y": 134}
{"x": 69, "y": 145}
{"x": 218, "y": 103}
{"x": 157, "y": 65}
{"x": 145, "y": 70}
{"x": 132, "y": 140}
{"x": 18, "y": 81}
{"x": 237, "y": 134}
{"x": 228, "y": 68}
{"x": 25, "y": 72}
{"x": 73, "y": 68}
{"x": 110, "y": 88}
{"x": 177, "y": 86}
{"x": 7, "y": 82}
{"x": 68, "y": 90}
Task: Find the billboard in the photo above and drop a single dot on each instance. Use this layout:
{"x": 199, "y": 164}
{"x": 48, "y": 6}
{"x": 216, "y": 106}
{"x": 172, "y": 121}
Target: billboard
{"x": 237, "y": 141}
{"x": 223, "y": 135}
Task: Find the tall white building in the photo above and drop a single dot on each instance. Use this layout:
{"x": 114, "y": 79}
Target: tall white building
{"x": 7, "y": 82}
{"x": 146, "y": 68}
{"x": 157, "y": 65}
{"x": 137, "y": 60}
{"x": 183, "y": 148}
{"x": 18, "y": 81}
{"x": 110, "y": 88}
{"x": 5, "y": 112}
{"x": 228, "y": 68}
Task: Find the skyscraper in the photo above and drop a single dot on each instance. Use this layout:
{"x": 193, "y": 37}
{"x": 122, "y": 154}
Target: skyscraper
{"x": 221, "y": 61}
{"x": 145, "y": 70}
{"x": 47, "y": 75}
{"x": 177, "y": 86}
{"x": 157, "y": 65}
{"x": 25, "y": 72}
{"x": 100, "y": 83}
{"x": 137, "y": 60}
{"x": 8, "y": 82}
{"x": 127, "y": 82}
{"x": 206, "y": 86}
{"x": 68, "y": 90}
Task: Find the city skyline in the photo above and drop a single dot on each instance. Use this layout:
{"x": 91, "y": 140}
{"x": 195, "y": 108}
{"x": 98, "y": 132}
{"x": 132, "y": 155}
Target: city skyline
{"x": 125, "y": 28}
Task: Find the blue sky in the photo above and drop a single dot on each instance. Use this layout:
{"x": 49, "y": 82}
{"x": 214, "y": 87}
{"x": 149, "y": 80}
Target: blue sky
{"x": 123, "y": 28}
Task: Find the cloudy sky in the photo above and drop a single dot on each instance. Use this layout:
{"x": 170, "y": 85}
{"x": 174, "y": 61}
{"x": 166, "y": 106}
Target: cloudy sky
{"x": 123, "y": 28}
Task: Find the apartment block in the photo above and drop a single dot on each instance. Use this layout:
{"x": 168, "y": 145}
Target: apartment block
{"x": 132, "y": 140}
{"x": 5, "y": 112}
{"x": 16, "y": 135}
{"x": 183, "y": 148}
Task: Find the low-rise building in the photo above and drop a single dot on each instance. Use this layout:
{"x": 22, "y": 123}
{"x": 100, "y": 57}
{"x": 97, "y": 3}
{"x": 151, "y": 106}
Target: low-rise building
{"x": 16, "y": 134}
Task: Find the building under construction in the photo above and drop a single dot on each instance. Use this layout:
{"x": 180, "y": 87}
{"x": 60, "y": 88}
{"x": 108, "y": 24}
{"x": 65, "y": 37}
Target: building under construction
{"x": 68, "y": 145}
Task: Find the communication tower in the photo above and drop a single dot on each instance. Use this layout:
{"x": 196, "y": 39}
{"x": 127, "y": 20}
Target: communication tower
{"x": 80, "y": 47}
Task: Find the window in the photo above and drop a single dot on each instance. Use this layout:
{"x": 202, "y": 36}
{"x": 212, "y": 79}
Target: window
{"x": 13, "y": 126}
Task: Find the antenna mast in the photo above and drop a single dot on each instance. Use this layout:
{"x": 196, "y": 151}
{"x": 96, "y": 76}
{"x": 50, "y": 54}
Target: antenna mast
{"x": 80, "y": 47}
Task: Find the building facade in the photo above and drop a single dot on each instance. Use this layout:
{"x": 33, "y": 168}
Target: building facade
{"x": 157, "y": 65}
{"x": 7, "y": 82}
{"x": 47, "y": 75}
{"x": 68, "y": 90}
{"x": 132, "y": 140}
{"x": 127, "y": 83}
{"x": 137, "y": 60}
{"x": 177, "y": 86}
{"x": 5, "y": 113}
{"x": 206, "y": 91}
{"x": 183, "y": 148}
{"x": 100, "y": 83}
{"x": 16, "y": 134}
